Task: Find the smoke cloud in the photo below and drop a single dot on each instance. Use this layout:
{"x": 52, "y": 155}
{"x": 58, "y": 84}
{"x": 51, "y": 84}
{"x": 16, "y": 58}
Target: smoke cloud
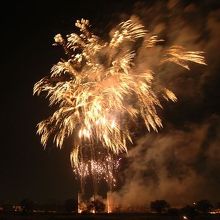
{"x": 181, "y": 163}
{"x": 178, "y": 165}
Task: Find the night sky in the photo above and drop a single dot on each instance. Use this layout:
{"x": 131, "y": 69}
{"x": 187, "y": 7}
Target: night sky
{"x": 27, "y": 31}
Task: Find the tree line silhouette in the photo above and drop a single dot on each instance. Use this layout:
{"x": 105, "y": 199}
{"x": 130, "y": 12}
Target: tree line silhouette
{"x": 157, "y": 206}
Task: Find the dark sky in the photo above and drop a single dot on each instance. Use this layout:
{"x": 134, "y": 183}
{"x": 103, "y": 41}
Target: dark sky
{"x": 27, "y": 31}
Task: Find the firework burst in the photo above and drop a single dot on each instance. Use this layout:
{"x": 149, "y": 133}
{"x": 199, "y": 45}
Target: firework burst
{"x": 99, "y": 89}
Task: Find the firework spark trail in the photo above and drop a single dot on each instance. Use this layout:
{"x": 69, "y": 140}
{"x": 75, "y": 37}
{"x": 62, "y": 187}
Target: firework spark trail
{"x": 102, "y": 168}
{"x": 98, "y": 86}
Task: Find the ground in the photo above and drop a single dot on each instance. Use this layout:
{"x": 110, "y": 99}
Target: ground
{"x": 120, "y": 216}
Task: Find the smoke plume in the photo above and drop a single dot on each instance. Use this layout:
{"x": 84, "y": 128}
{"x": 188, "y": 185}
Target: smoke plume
{"x": 178, "y": 165}
{"x": 181, "y": 163}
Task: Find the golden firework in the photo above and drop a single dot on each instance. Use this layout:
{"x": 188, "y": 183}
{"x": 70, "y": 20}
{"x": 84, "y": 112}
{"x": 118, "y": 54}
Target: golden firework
{"x": 99, "y": 89}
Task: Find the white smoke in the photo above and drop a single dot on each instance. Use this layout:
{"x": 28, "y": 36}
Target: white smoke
{"x": 180, "y": 163}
